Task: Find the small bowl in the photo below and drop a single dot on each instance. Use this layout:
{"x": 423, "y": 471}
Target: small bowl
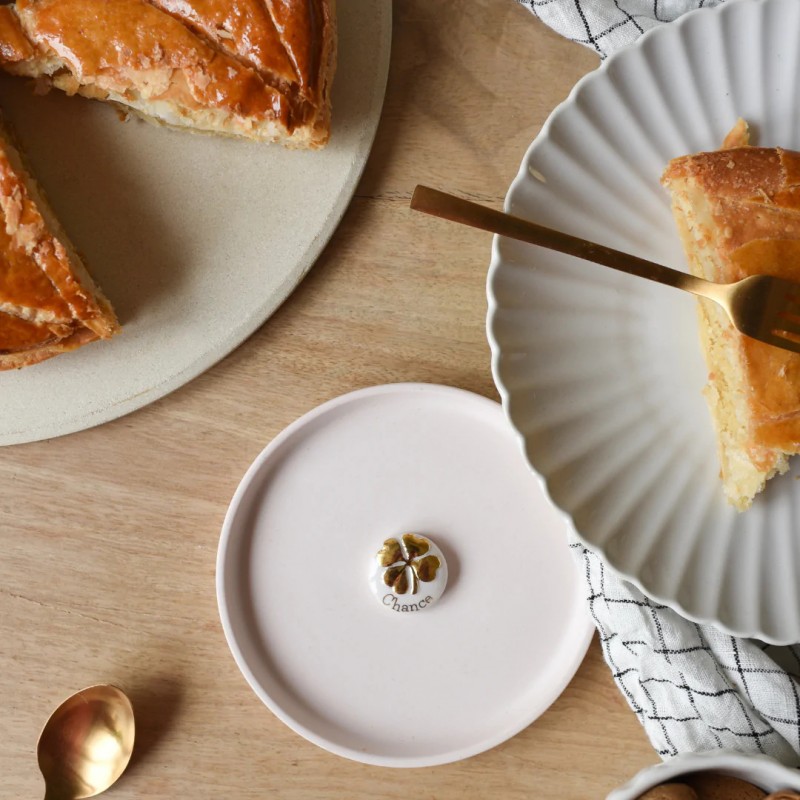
{"x": 762, "y": 771}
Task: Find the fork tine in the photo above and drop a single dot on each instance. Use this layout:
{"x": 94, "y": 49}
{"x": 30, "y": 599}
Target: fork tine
{"x": 782, "y": 341}
{"x": 788, "y": 314}
{"x": 790, "y": 304}
{"x": 787, "y": 324}
{"x": 789, "y": 292}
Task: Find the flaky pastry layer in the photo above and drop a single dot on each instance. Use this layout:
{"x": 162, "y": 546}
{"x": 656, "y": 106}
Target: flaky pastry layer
{"x": 261, "y": 69}
{"x": 738, "y": 214}
{"x": 49, "y": 304}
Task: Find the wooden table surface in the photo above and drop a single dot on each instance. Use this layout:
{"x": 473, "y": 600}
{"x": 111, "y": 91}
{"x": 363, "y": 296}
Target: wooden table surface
{"x": 109, "y": 536}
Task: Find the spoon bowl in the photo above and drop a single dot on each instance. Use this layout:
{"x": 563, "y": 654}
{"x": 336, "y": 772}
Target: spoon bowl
{"x": 87, "y": 743}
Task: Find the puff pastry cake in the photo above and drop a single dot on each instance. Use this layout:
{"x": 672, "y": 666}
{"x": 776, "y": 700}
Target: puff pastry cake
{"x": 738, "y": 214}
{"x": 48, "y": 302}
{"x": 255, "y": 68}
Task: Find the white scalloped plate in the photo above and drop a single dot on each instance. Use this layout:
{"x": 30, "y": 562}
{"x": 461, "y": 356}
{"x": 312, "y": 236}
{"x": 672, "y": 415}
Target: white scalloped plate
{"x": 600, "y": 373}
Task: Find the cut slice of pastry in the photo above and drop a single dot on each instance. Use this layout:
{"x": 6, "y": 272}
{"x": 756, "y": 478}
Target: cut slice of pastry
{"x": 48, "y": 302}
{"x": 255, "y": 68}
{"x": 738, "y": 214}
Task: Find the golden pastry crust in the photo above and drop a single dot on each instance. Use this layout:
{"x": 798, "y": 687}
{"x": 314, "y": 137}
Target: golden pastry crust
{"x": 738, "y": 212}
{"x": 48, "y": 302}
{"x": 39, "y": 348}
{"x": 255, "y": 68}
{"x": 14, "y": 44}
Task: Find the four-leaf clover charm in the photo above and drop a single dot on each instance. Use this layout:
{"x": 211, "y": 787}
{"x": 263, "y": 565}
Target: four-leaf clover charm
{"x": 409, "y": 573}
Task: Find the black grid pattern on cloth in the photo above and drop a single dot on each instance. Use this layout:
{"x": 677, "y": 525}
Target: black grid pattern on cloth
{"x": 607, "y": 25}
{"x": 691, "y": 686}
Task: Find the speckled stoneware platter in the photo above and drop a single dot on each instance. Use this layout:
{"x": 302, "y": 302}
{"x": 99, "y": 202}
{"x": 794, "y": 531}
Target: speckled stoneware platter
{"x": 196, "y": 240}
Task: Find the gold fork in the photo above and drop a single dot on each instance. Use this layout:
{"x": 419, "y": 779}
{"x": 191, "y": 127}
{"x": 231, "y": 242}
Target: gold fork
{"x": 761, "y": 306}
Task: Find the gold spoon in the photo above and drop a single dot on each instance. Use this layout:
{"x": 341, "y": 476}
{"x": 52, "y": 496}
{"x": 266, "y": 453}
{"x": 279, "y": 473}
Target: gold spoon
{"x": 86, "y": 744}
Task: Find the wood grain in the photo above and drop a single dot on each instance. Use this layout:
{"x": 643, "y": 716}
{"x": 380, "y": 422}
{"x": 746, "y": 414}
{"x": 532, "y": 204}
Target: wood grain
{"x": 109, "y": 536}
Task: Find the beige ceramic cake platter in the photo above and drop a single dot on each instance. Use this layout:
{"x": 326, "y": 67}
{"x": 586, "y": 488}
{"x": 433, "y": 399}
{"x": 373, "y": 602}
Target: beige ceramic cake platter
{"x": 196, "y": 240}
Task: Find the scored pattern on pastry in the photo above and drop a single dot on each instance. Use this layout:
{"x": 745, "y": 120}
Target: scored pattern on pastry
{"x": 48, "y": 302}
{"x": 255, "y": 68}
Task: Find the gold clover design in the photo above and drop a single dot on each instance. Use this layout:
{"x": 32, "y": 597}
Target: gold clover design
{"x": 406, "y": 564}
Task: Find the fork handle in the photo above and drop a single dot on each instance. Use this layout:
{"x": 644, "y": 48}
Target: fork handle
{"x": 447, "y": 206}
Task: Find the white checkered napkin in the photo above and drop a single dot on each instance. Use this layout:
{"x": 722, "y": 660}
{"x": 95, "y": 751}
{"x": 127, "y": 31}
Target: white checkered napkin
{"x": 692, "y": 687}
{"x": 608, "y": 25}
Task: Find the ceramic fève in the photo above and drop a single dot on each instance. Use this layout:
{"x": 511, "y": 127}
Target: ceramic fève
{"x": 408, "y": 574}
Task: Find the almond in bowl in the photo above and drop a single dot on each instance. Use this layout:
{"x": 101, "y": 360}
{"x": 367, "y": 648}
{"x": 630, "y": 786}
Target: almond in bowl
{"x": 713, "y": 786}
{"x": 713, "y": 775}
